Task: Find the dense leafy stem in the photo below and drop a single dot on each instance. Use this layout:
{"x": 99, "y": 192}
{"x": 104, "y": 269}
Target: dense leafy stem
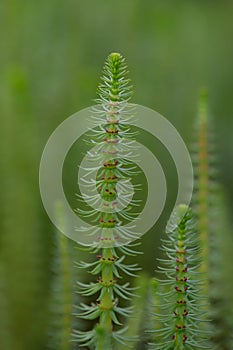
{"x": 112, "y": 139}
{"x": 181, "y": 309}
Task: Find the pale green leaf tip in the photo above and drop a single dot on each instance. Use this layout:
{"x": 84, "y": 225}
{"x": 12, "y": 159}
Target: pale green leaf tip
{"x": 177, "y": 215}
{"x": 182, "y": 209}
{"x": 115, "y": 57}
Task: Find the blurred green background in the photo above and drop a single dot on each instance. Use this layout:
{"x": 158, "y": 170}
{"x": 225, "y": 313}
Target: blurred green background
{"x": 51, "y": 56}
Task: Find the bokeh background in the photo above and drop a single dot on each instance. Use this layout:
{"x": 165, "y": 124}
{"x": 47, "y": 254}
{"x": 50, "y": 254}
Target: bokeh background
{"x": 51, "y": 56}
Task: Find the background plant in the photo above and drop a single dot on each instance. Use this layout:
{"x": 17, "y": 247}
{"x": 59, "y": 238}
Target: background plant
{"x": 210, "y": 212}
{"x": 62, "y": 295}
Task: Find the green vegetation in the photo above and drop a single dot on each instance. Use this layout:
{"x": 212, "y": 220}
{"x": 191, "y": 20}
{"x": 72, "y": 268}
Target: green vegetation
{"x": 182, "y": 310}
{"x": 50, "y": 62}
{"x": 113, "y": 139}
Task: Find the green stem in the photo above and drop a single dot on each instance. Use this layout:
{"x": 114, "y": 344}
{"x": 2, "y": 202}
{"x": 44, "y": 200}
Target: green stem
{"x": 112, "y": 119}
{"x": 108, "y": 189}
{"x": 181, "y": 308}
{"x": 106, "y": 303}
{"x": 202, "y": 196}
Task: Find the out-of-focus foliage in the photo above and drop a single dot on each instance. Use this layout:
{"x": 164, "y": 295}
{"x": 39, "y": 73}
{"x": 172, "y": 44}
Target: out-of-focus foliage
{"x": 51, "y": 54}
{"x": 210, "y": 212}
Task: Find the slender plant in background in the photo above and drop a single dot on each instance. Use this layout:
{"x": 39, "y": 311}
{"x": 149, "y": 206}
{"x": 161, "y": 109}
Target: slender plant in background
{"x": 61, "y": 298}
{"x": 209, "y": 210}
{"x": 203, "y": 194}
{"x": 112, "y": 139}
{"x": 142, "y": 319}
{"x": 181, "y": 312}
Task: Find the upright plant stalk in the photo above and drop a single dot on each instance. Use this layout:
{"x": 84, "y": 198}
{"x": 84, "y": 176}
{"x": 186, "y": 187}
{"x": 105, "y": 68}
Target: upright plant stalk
{"x": 181, "y": 313}
{"x": 61, "y": 290}
{"x": 113, "y": 140}
{"x": 142, "y": 318}
{"x": 211, "y": 223}
{"x": 202, "y": 198}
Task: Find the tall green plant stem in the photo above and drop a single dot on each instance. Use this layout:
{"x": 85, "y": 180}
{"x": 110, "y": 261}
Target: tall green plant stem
{"x": 212, "y": 225}
{"x": 61, "y": 298}
{"x": 181, "y": 310}
{"x": 108, "y": 185}
{"x": 202, "y": 180}
{"x": 112, "y": 138}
